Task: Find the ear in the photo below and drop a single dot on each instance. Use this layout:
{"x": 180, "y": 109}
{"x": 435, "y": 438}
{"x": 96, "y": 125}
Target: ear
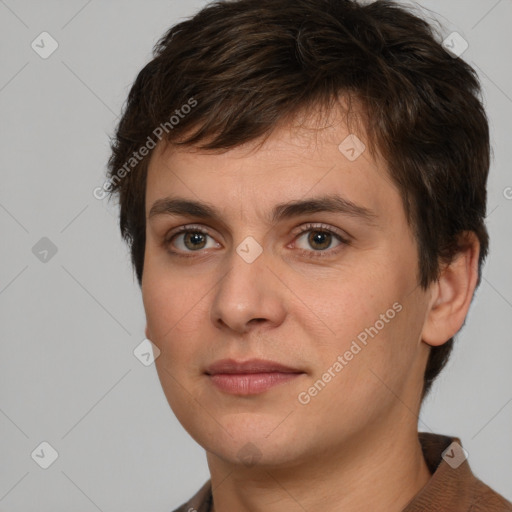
{"x": 452, "y": 293}
{"x": 146, "y": 331}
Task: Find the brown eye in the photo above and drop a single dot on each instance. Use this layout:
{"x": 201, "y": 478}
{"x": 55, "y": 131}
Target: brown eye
{"x": 194, "y": 240}
{"x": 189, "y": 239}
{"x": 319, "y": 240}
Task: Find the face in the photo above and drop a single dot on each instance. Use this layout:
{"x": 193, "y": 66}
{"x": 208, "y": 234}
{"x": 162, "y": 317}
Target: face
{"x": 262, "y": 269}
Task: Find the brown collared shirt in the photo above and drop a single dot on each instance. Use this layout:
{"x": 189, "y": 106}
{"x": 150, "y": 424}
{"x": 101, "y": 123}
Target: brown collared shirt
{"x": 451, "y": 488}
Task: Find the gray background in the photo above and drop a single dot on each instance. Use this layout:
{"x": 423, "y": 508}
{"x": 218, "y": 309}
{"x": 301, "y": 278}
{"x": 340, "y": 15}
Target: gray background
{"x": 69, "y": 325}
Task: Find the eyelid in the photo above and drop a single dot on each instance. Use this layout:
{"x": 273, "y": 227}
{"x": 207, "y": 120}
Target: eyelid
{"x": 297, "y": 231}
{"x": 344, "y": 240}
{"x": 185, "y": 229}
{"x": 310, "y": 226}
{"x": 343, "y": 237}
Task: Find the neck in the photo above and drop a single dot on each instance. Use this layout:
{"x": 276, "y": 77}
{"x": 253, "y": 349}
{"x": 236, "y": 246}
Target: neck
{"x": 371, "y": 471}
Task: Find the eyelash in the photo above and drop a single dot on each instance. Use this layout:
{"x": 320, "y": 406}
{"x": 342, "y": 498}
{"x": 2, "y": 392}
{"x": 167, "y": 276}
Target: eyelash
{"x": 306, "y": 228}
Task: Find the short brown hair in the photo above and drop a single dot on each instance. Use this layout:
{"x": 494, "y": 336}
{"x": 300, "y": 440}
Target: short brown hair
{"x": 250, "y": 64}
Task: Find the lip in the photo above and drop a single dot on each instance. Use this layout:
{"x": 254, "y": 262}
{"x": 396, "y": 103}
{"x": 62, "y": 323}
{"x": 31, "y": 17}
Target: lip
{"x": 250, "y": 366}
{"x": 249, "y": 377}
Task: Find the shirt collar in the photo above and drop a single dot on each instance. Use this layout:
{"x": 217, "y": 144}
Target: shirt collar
{"x": 452, "y": 485}
{"x": 448, "y": 487}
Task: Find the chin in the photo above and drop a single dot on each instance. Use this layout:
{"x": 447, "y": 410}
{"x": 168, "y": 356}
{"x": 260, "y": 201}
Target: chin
{"x": 249, "y": 441}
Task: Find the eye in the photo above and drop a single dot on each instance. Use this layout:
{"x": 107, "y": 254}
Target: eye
{"x": 319, "y": 239}
{"x": 189, "y": 239}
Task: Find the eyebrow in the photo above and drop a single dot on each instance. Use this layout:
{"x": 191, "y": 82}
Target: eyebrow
{"x": 288, "y": 210}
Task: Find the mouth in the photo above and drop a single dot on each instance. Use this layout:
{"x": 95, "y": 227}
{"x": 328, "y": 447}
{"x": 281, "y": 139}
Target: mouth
{"x": 249, "y": 377}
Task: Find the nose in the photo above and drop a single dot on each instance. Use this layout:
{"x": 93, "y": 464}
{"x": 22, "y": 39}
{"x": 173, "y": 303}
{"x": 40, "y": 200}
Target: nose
{"x": 249, "y": 295}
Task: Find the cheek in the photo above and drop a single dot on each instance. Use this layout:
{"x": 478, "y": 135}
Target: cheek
{"x": 387, "y": 358}
{"x": 358, "y": 380}
{"x": 167, "y": 296}
{"x": 349, "y": 305}
{"x": 177, "y": 313}
{"x": 373, "y": 326}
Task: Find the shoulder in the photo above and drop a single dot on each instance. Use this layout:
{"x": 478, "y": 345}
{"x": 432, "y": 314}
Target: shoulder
{"x": 453, "y": 486}
{"x": 485, "y": 499}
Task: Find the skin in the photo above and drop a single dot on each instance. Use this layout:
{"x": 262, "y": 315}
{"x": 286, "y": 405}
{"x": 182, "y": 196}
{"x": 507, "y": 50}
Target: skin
{"x": 355, "y": 443}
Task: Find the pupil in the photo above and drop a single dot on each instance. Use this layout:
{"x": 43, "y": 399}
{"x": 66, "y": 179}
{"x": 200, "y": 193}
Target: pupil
{"x": 195, "y": 239}
{"x": 316, "y": 237}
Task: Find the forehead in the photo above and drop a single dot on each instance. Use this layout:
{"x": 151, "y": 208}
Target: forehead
{"x": 298, "y": 160}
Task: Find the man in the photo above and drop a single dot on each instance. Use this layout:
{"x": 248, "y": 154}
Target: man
{"x": 303, "y": 187}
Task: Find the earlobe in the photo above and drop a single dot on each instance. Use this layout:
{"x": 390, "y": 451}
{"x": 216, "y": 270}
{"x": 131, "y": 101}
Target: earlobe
{"x": 146, "y": 331}
{"x": 452, "y": 293}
